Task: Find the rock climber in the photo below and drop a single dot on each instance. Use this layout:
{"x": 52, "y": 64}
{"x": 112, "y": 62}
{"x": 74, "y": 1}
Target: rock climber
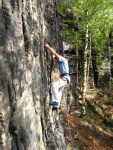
{"x": 64, "y": 78}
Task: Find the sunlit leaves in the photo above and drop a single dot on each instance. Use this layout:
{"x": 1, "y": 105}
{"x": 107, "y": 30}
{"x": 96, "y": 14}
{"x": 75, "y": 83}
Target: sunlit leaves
{"x": 100, "y": 20}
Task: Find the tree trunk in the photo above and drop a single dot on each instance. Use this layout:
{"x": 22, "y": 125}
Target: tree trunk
{"x": 77, "y": 65}
{"x": 85, "y": 62}
{"x": 90, "y": 74}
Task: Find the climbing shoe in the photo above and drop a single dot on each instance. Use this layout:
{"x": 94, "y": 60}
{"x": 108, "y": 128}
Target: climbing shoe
{"x": 54, "y": 108}
{"x": 53, "y": 103}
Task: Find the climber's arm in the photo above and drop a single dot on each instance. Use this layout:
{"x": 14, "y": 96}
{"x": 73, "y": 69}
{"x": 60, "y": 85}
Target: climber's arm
{"x": 52, "y": 51}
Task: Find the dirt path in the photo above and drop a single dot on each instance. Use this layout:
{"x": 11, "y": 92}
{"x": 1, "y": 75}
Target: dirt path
{"x": 94, "y": 138}
{"x": 91, "y": 133}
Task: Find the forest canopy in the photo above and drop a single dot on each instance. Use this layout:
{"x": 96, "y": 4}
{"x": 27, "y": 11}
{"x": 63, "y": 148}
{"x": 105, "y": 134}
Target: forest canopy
{"x": 89, "y": 26}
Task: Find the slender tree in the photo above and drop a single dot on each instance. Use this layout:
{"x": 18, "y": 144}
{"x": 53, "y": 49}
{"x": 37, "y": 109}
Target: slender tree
{"x": 94, "y": 18}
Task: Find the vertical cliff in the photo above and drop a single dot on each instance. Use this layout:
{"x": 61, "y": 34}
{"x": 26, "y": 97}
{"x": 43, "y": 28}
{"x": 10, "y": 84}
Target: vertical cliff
{"x": 26, "y": 120}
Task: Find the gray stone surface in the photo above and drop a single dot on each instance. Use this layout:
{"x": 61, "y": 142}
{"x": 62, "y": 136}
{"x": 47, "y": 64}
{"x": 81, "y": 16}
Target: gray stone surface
{"x": 26, "y": 121}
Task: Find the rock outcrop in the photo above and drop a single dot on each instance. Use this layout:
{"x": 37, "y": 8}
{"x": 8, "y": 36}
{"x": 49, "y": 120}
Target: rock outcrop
{"x": 26, "y": 120}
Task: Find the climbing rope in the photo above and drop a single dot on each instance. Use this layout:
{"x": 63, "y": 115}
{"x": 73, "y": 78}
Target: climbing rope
{"x": 56, "y": 26}
{"x": 69, "y": 127}
{"x": 70, "y": 133}
{"x": 57, "y": 49}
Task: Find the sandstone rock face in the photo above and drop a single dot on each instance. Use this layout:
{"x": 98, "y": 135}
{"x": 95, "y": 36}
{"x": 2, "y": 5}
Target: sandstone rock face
{"x": 26, "y": 120}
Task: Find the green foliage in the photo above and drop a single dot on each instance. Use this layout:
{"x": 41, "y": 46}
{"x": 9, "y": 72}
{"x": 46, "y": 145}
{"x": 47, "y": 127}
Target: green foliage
{"x": 99, "y": 19}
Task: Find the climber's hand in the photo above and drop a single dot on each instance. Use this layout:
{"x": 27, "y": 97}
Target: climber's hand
{"x": 46, "y": 45}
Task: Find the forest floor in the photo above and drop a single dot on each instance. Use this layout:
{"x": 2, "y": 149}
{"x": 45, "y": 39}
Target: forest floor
{"x": 94, "y": 131}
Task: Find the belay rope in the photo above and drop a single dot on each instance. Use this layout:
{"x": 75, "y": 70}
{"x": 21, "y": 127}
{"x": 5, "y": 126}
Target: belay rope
{"x": 68, "y": 124}
{"x": 56, "y": 26}
{"x": 57, "y": 49}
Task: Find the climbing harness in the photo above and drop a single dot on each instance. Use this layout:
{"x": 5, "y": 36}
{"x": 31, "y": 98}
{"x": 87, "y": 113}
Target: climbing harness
{"x": 65, "y": 79}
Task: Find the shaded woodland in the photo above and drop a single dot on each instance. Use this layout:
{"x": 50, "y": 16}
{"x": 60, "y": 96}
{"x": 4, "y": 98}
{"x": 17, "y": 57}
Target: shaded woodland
{"x": 88, "y": 27}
